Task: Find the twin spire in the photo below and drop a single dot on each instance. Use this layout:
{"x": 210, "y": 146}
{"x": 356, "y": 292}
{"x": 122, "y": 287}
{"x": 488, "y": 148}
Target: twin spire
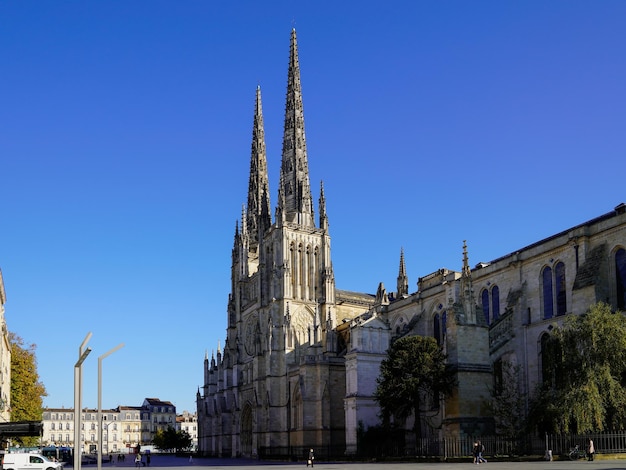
{"x": 294, "y": 193}
{"x": 258, "y": 218}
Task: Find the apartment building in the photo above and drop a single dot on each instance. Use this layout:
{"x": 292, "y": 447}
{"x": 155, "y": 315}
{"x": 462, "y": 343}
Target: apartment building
{"x": 123, "y": 428}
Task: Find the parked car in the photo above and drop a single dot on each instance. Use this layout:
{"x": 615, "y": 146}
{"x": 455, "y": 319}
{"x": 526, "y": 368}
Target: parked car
{"x": 24, "y": 461}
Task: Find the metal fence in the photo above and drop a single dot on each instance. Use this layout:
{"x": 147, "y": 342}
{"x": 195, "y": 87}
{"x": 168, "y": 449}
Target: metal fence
{"x": 455, "y": 448}
{"x": 604, "y": 443}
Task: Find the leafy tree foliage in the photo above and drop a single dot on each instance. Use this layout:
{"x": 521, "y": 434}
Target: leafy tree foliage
{"x": 27, "y": 391}
{"x": 584, "y": 375}
{"x": 414, "y": 374}
{"x": 169, "y": 440}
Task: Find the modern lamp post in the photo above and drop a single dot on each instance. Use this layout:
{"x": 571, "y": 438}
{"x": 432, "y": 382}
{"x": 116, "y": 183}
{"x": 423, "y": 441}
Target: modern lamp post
{"x": 105, "y": 427}
{"x": 82, "y": 355}
{"x": 100, "y": 401}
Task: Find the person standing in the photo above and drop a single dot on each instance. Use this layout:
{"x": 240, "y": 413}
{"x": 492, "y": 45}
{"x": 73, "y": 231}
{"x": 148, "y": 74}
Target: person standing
{"x": 591, "y": 450}
{"x": 310, "y": 459}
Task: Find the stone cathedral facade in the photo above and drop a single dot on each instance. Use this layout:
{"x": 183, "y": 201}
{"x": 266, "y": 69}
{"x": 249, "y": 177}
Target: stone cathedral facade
{"x": 280, "y": 379}
{"x": 299, "y": 364}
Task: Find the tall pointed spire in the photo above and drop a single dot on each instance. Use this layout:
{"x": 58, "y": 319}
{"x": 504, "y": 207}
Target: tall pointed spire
{"x": 469, "y": 305}
{"x": 258, "y": 214}
{"x": 403, "y": 280}
{"x": 466, "y": 268}
{"x": 295, "y": 202}
{"x": 244, "y": 222}
{"x": 322, "y": 209}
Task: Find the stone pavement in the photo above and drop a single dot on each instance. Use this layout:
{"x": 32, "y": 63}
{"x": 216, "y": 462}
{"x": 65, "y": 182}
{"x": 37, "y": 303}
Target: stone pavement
{"x": 171, "y": 462}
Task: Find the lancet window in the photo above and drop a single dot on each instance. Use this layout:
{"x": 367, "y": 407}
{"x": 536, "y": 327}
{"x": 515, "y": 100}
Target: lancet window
{"x": 554, "y": 290}
{"x": 490, "y": 300}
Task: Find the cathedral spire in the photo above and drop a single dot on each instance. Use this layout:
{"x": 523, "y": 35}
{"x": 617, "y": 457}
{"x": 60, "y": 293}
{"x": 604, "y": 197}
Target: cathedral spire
{"x": 244, "y": 221}
{"x": 466, "y": 268}
{"x": 322, "y": 209}
{"x": 258, "y": 214}
{"x": 467, "y": 288}
{"x": 403, "y": 280}
{"x": 295, "y": 203}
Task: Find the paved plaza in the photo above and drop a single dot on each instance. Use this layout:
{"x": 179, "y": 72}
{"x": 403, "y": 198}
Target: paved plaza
{"x": 165, "y": 462}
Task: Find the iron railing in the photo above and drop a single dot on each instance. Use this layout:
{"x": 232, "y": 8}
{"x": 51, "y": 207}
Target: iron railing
{"x": 456, "y": 448}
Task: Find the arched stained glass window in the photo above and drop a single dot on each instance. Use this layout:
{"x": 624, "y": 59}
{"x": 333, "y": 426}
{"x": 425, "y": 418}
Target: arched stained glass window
{"x": 485, "y": 302}
{"x": 561, "y": 297}
{"x": 444, "y": 326}
{"x": 547, "y": 293}
{"x": 495, "y": 303}
{"x": 437, "y": 329}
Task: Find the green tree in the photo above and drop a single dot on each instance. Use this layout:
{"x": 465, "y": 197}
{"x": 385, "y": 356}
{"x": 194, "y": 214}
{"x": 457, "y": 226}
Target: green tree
{"x": 27, "y": 391}
{"x": 169, "y": 440}
{"x": 183, "y": 440}
{"x": 414, "y": 374}
{"x": 584, "y": 375}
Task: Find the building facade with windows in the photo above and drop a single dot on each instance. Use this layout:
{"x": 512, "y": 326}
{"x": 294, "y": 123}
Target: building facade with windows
{"x": 58, "y": 429}
{"x": 496, "y": 314}
{"x": 123, "y": 428}
{"x": 300, "y": 361}
{"x": 188, "y": 422}
{"x": 158, "y": 415}
{"x": 131, "y": 427}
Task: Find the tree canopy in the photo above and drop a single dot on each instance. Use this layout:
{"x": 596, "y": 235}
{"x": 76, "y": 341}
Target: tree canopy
{"x": 413, "y": 374}
{"x": 172, "y": 440}
{"x": 584, "y": 370}
{"x": 27, "y": 391}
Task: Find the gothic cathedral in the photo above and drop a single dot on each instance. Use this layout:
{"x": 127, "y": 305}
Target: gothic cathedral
{"x": 301, "y": 358}
{"x": 280, "y": 380}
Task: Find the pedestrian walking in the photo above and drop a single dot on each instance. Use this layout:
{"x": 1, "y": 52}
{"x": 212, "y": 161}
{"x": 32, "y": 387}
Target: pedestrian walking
{"x": 310, "y": 459}
{"x": 481, "y": 450}
{"x": 591, "y": 450}
{"x": 138, "y": 460}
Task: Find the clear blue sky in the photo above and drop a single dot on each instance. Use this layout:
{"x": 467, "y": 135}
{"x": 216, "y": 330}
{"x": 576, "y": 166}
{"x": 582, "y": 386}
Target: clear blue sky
{"x": 125, "y": 130}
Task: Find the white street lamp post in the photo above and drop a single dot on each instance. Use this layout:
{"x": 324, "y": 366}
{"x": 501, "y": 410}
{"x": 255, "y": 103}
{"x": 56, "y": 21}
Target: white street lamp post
{"x": 82, "y": 355}
{"x": 100, "y": 401}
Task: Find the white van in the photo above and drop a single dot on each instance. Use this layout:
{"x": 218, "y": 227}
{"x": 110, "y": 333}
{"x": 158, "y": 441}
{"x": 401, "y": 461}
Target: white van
{"x": 23, "y": 461}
